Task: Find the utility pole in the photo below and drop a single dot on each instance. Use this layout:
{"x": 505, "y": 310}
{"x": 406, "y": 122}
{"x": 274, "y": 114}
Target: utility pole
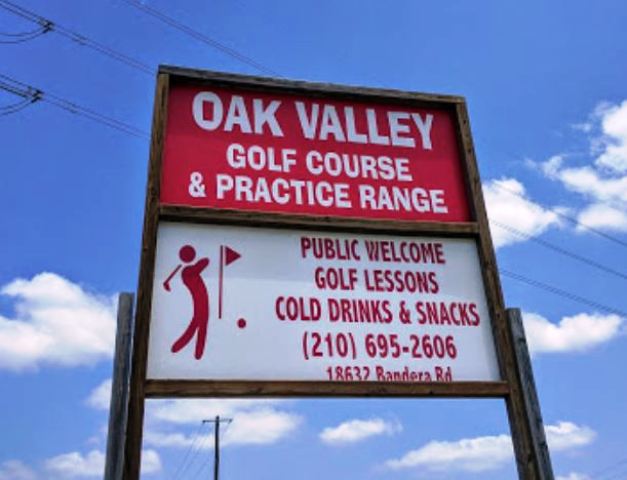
{"x": 216, "y": 439}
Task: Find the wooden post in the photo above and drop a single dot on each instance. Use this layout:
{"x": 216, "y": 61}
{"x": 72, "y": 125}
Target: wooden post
{"x": 118, "y": 410}
{"x": 141, "y": 326}
{"x": 533, "y": 415}
{"x": 524, "y": 437}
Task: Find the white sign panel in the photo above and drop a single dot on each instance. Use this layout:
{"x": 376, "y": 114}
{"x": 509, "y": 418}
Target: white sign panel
{"x": 239, "y": 303}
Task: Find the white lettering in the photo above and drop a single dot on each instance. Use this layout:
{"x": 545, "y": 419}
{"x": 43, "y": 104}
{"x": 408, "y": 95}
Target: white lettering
{"x": 267, "y": 116}
{"x": 237, "y": 115}
{"x": 366, "y": 197}
{"x": 198, "y": 110}
{"x": 373, "y": 129}
{"x": 397, "y": 128}
{"x": 424, "y": 126}
{"x": 308, "y": 125}
{"x": 437, "y": 200}
{"x": 351, "y": 130}
{"x": 235, "y": 156}
{"x": 330, "y": 124}
{"x": 399, "y": 199}
{"x": 224, "y": 183}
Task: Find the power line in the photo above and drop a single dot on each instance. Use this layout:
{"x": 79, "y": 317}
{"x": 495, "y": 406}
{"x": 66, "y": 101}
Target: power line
{"x": 201, "y": 469}
{"x": 573, "y": 220}
{"x": 23, "y": 36}
{"x": 609, "y": 470}
{"x": 201, "y": 445}
{"x": 187, "y": 453}
{"x": 29, "y": 96}
{"x": 562, "y": 251}
{"x": 45, "y": 25}
{"x": 31, "y": 93}
{"x": 16, "y": 107}
{"x": 200, "y": 36}
{"x": 48, "y": 25}
{"x": 563, "y": 293}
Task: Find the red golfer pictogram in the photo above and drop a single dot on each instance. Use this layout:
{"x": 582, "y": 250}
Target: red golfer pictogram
{"x": 192, "y": 279}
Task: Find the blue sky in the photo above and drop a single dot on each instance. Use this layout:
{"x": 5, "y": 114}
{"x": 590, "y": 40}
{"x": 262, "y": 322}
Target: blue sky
{"x": 545, "y": 84}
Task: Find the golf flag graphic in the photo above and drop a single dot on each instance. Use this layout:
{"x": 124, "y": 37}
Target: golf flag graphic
{"x": 227, "y": 257}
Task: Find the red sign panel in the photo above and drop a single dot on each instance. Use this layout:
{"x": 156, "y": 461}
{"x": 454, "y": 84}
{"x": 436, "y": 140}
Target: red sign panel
{"x": 254, "y": 151}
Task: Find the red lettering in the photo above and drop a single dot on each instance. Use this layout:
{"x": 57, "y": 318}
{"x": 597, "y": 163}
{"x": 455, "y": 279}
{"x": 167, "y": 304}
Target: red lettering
{"x": 405, "y": 252}
{"x": 293, "y": 308}
{"x": 475, "y": 314}
{"x": 335, "y": 278}
{"x": 305, "y": 244}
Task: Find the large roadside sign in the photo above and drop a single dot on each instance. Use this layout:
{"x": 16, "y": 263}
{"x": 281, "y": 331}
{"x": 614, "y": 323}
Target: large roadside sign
{"x": 315, "y": 240}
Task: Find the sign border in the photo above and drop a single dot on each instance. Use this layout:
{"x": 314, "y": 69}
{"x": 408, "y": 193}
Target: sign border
{"x": 510, "y": 387}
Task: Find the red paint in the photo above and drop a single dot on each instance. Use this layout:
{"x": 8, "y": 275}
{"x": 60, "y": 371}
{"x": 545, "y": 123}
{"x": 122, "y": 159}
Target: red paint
{"x": 306, "y": 309}
{"x": 192, "y": 279}
{"x": 227, "y": 256}
{"x": 190, "y": 148}
{"x": 221, "y": 281}
{"x": 230, "y": 255}
{"x": 330, "y": 248}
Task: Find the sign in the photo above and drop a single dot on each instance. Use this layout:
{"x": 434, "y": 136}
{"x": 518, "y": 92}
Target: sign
{"x": 272, "y": 152}
{"x": 317, "y": 240}
{"x": 239, "y": 303}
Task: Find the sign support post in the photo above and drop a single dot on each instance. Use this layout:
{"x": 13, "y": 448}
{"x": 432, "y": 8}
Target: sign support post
{"x": 118, "y": 410}
{"x": 201, "y": 132}
{"x": 533, "y": 413}
{"x": 137, "y": 396}
{"x": 525, "y": 435}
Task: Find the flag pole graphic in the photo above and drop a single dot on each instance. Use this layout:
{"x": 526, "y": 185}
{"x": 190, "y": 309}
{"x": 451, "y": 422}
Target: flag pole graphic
{"x": 227, "y": 256}
{"x": 220, "y": 281}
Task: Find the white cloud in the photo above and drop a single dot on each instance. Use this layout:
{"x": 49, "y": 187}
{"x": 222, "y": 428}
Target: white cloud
{"x": 16, "y": 470}
{"x": 599, "y": 215}
{"x": 614, "y": 128}
{"x": 573, "y": 476}
{"x": 260, "y": 427}
{"x": 76, "y": 465}
{"x": 100, "y": 397}
{"x": 469, "y": 454}
{"x": 55, "y": 322}
{"x": 603, "y": 182}
{"x": 353, "y": 431}
{"x": 567, "y": 435}
{"x": 194, "y": 411}
{"x": 486, "y": 453}
{"x": 177, "y": 440}
{"x": 254, "y": 421}
{"x": 508, "y": 204}
{"x": 151, "y": 462}
{"x": 577, "y": 333}
{"x": 590, "y": 181}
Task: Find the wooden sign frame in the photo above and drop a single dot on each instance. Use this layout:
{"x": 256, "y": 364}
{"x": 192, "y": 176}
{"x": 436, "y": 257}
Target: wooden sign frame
{"x": 510, "y": 388}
